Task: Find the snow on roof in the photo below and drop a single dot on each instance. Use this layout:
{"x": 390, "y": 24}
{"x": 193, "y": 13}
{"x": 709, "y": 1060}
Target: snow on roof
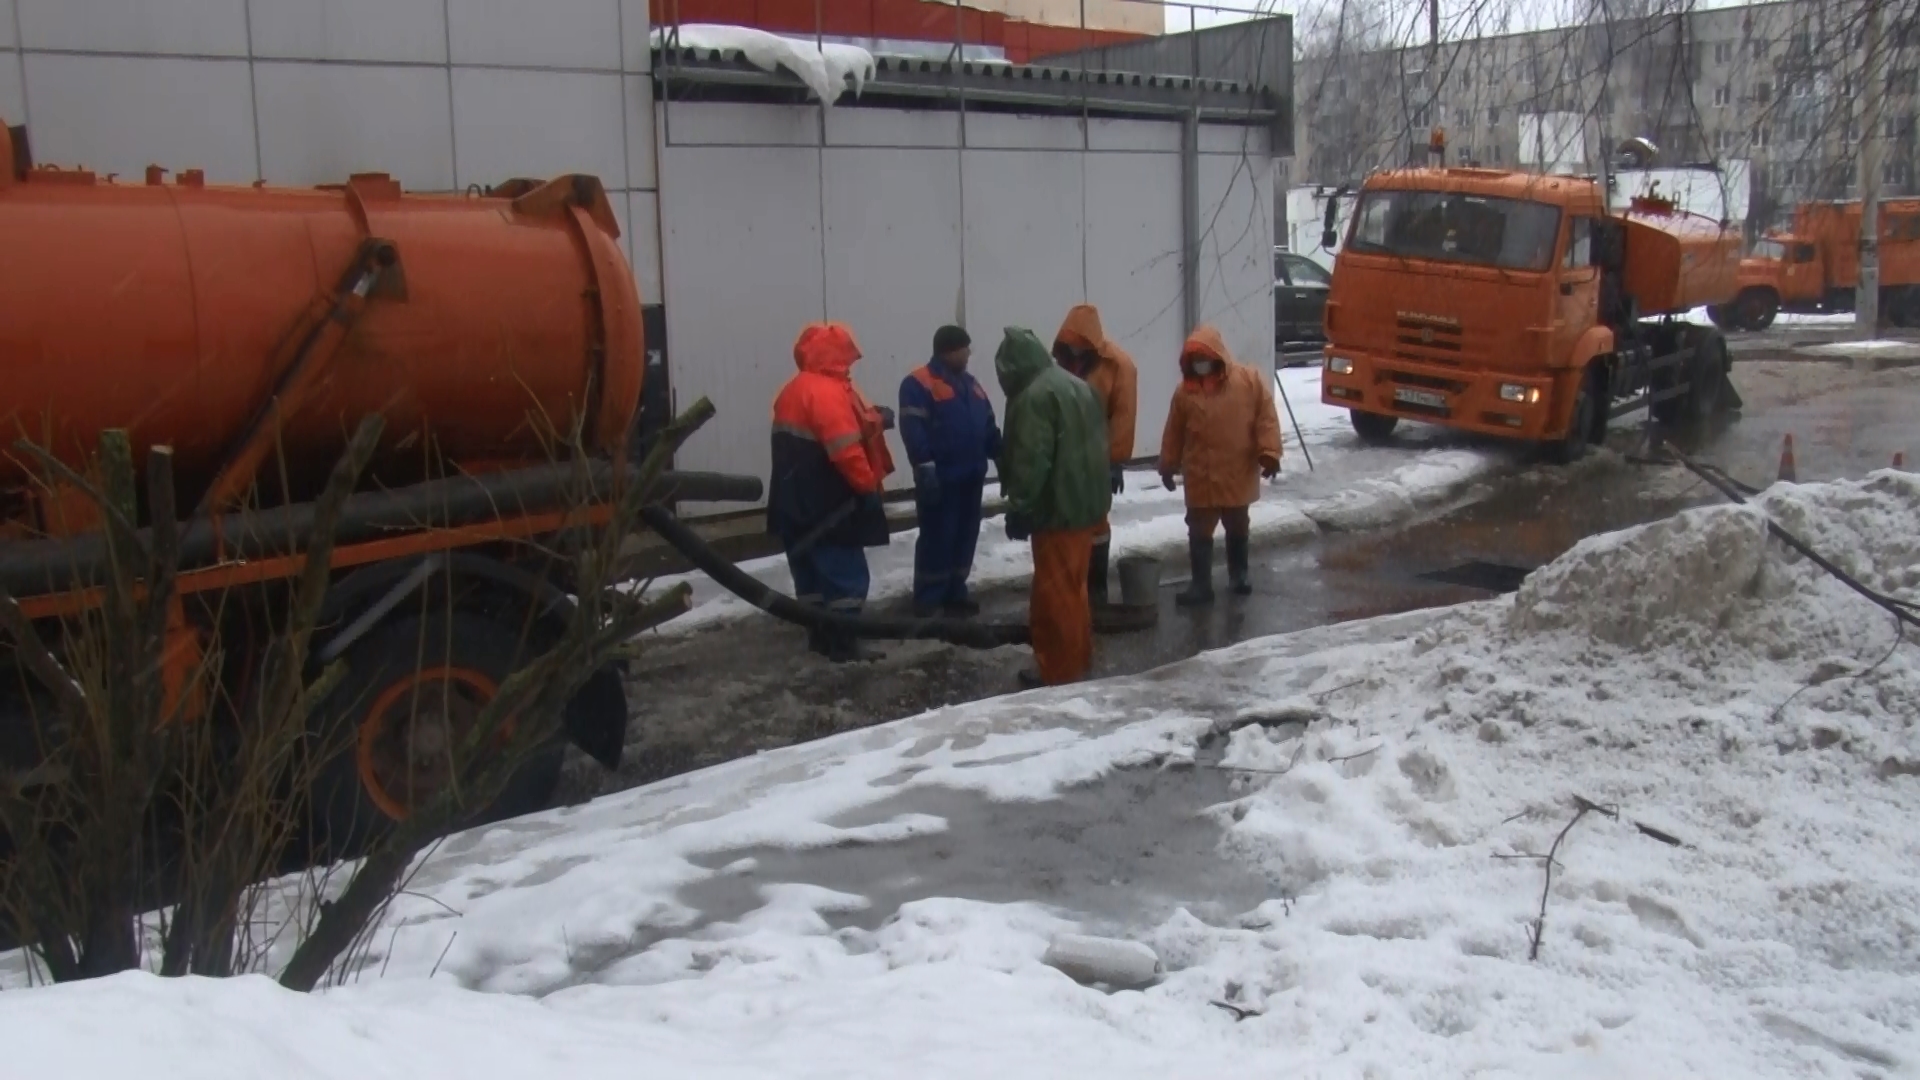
{"x": 824, "y": 66}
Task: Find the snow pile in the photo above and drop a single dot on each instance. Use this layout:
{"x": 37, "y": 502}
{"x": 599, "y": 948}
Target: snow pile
{"x": 1352, "y": 887}
{"x": 824, "y": 66}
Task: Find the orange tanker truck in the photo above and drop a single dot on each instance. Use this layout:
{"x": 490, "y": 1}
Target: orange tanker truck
{"x": 1518, "y": 305}
{"x": 1814, "y": 268}
{"x": 250, "y": 329}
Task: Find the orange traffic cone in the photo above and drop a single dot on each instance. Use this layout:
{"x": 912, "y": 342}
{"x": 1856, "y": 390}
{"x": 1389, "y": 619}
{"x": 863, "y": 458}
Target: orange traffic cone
{"x": 1788, "y": 473}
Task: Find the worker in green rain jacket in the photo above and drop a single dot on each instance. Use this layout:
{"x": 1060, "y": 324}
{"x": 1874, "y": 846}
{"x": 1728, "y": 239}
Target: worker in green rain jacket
{"x": 1053, "y": 473}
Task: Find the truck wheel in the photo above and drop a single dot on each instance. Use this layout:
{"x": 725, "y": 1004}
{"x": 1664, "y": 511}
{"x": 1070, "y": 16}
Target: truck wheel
{"x": 1373, "y": 428}
{"x": 412, "y": 692}
{"x": 1707, "y": 379}
{"x": 1719, "y": 316}
{"x": 1579, "y": 437}
{"x": 1757, "y": 308}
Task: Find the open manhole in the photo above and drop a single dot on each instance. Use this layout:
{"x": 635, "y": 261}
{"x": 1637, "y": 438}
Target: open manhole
{"x": 1491, "y": 576}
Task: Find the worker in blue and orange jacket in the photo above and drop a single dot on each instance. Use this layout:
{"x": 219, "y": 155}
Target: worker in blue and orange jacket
{"x": 947, "y": 424}
{"x": 830, "y": 460}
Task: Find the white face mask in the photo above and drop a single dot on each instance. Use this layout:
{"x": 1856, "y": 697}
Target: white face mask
{"x": 1203, "y": 367}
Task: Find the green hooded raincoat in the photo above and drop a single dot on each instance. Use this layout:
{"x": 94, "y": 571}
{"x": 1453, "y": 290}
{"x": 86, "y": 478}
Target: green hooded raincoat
{"x": 1053, "y": 468}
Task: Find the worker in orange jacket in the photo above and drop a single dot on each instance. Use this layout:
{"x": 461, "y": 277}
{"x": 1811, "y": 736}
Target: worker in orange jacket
{"x": 1222, "y": 435}
{"x": 830, "y": 461}
{"x": 1083, "y": 348}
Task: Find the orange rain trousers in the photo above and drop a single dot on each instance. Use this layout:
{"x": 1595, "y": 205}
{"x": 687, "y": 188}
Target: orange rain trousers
{"x": 1058, "y": 608}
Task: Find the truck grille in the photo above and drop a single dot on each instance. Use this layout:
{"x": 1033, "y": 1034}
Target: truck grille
{"x": 1407, "y": 378}
{"x": 1416, "y": 334}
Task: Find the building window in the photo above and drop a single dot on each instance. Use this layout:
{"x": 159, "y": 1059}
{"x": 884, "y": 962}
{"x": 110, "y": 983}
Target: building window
{"x": 1759, "y": 140}
{"x": 1894, "y": 173}
{"x": 1421, "y": 120}
{"x": 1463, "y": 118}
{"x": 1722, "y": 96}
{"x": 1801, "y": 44}
{"x": 1846, "y": 87}
{"x": 1893, "y": 127}
{"x": 1723, "y": 52}
{"x": 1762, "y": 92}
{"x": 1493, "y": 116}
{"x": 1760, "y": 48}
{"x": 1723, "y": 142}
{"x": 1799, "y": 128}
{"x": 1466, "y": 154}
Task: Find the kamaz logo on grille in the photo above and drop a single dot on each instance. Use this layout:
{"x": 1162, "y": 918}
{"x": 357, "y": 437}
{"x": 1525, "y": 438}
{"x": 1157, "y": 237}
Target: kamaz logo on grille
{"x": 1421, "y": 316}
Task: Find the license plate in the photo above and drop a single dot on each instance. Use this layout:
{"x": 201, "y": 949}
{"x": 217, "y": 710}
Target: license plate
{"x": 1420, "y": 397}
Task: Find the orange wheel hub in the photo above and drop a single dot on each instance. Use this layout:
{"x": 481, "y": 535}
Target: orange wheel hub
{"x": 410, "y": 734}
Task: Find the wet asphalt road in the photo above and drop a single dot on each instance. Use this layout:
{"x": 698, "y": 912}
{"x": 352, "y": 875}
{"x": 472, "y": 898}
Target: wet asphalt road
{"x": 738, "y": 689}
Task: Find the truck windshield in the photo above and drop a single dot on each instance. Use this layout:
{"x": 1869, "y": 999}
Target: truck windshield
{"x": 1456, "y": 227}
{"x": 1769, "y": 249}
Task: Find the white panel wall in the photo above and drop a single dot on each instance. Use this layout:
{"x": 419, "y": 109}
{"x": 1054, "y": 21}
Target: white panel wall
{"x": 440, "y": 93}
{"x": 1236, "y": 251}
{"x": 740, "y": 233}
{"x": 1036, "y": 215}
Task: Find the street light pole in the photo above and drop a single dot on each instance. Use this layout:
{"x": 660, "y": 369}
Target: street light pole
{"x": 1866, "y": 296}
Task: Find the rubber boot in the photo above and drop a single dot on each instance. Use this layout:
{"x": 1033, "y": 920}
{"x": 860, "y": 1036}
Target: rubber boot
{"x": 1029, "y": 679}
{"x": 817, "y": 640}
{"x": 1200, "y": 556}
{"x": 1097, "y": 574}
{"x": 1237, "y": 554}
{"x": 847, "y": 649}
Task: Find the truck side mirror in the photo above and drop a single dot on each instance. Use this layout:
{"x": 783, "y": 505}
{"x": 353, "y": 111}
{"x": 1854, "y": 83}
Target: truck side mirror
{"x": 1329, "y": 239}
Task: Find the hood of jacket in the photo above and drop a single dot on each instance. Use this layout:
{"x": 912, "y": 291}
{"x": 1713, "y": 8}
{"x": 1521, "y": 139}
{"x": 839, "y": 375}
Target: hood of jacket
{"x": 826, "y": 348}
{"x": 1082, "y": 329}
{"x": 1205, "y": 341}
{"x": 1020, "y": 360}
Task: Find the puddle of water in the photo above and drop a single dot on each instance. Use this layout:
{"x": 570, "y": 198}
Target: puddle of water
{"x": 1122, "y": 852}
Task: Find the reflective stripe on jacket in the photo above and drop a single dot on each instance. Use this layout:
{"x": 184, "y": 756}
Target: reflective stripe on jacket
{"x": 829, "y": 445}
{"x": 947, "y": 419}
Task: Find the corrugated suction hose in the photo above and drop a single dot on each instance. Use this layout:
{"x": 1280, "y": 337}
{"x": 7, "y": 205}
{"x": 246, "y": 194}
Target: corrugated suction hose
{"x": 965, "y": 633}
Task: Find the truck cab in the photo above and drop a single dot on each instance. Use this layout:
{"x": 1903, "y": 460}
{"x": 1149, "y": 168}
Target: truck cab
{"x": 1814, "y": 268}
{"x": 1512, "y": 304}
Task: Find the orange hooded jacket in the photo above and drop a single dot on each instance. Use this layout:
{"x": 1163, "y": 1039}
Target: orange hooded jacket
{"x": 1113, "y": 377}
{"x": 1220, "y": 429}
{"x": 829, "y": 446}
{"x": 823, "y": 404}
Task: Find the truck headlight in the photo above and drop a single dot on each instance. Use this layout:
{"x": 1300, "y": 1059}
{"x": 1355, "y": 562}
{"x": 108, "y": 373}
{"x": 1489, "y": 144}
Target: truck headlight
{"x": 1339, "y": 365}
{"x": 1529, "y": 395}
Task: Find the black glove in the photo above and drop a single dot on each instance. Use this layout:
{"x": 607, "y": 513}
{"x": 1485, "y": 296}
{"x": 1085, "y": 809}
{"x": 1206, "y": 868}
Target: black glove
{"x": 926, "y": 482}
{"x": 886, "y": 417}
{"x": 1018, "y": 527}
{"x": 1117, "y": 479}
{"x": 871, "y": 501}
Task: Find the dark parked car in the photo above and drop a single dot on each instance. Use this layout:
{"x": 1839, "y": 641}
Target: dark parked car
{"x": 1299, "y": 300}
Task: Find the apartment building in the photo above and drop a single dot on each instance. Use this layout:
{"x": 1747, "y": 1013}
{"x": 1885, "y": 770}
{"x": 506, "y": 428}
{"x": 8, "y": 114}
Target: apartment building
{"x": 1777, "y": 84}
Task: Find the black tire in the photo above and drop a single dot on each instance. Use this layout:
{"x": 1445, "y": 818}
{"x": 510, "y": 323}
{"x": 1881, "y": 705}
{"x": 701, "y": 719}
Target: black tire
{"x": 1720, "y": 317}
{"x": 345, "y": 814}
{"x": 1756, "y": 308}
{"x": 1579, "y": 437}
{"x": 1902, "y": 306}
{"x": 1707, "y": 378}
{"x": 1375, "y": 429}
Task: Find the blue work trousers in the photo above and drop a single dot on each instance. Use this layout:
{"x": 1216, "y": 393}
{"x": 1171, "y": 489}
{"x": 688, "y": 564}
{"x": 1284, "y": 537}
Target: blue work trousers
{"x": 943, "y": 555}
{"x": 834, "y": 578}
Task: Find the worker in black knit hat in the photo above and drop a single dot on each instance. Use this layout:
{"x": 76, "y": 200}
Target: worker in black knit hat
{"x": 947, "y": 424}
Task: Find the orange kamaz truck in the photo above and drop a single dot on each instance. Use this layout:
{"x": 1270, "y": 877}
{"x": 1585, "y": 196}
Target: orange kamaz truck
{"x": 1814, "y": 268}
{"x": 1518, "y": 305}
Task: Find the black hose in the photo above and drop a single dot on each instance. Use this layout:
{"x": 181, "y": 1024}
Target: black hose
{"x": 967, "y": 634}
{"x": 33, "y": 567}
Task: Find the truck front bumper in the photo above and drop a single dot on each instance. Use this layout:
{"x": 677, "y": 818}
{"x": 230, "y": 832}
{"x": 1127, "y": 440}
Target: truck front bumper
{"x": 1488, "y": 402}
